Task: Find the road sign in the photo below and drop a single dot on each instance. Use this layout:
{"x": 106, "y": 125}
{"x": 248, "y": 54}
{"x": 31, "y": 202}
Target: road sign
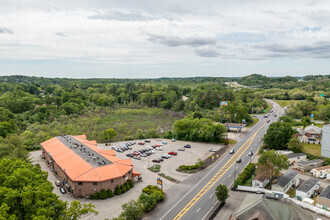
{"x": 160, "y": 182}
{"x": 312, "y": 115}
{"x": 223, "y": 103}
{"x": 243, "y": 121}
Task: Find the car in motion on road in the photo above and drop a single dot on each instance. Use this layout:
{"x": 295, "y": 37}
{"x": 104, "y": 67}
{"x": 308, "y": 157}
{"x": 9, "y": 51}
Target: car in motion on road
{"x": 250, "y": 153}
{"x": 238, "y": 160}
{"x": 172, "y": 153}
{"x": 232, "y": 151}
{"x": 268, "y": 121}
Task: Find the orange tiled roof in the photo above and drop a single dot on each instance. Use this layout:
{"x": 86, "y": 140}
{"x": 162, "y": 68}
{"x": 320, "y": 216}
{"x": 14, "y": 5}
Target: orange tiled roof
{"x": 78, "y": 169}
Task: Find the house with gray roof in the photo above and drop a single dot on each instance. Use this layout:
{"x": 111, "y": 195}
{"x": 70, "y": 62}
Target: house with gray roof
{"x": 286, "y": 181}
{"x": 308, "y": 165}
{"x": 307, "y": 189}
{"x": 296, "y": 157}
{"x": 324, "y": 198}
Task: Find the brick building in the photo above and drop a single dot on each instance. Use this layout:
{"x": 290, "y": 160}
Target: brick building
{"x": 83, "y": 167}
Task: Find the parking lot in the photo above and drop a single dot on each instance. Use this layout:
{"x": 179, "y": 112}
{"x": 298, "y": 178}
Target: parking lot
{"x": 110, "y": 208}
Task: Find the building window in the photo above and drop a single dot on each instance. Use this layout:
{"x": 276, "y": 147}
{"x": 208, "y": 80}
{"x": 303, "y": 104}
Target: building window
{"x": 80, "y": 183}
{"x": 95, "y": 183}
{"x": 124, "y": 177}
{"x": 111, "y": 181}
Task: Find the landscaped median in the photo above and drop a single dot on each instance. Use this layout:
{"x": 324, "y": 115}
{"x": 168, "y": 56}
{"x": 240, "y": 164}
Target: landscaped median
{"x": 192, "y": 168}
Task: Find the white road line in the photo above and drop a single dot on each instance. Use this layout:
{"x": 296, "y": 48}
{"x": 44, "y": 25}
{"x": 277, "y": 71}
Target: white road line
{"x": 198, "y": 210}
{"x": 211, "y": 196}
{"x": 206, "y": 175}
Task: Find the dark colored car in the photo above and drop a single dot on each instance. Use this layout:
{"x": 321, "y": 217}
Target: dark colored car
{"x": 156, "y": 160}
{"x": 129, "y": 155}
{"x": 147, "y": 141}
{"x": 62, "y": 190}
{"x": 164, "y": 157}
{"x": 172, "y": 153}
{"x": 265, "y": 116}
{"x": 268, "y": 121}
{"x": 239, "y": 160}
{"x": 187, "y": 146}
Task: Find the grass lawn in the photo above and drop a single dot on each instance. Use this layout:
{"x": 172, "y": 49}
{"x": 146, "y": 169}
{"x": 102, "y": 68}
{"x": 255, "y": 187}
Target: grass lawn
{"x": 232, "y": 142}
{"x": 168, "y": 177}
{"x": 291, "y": 192}
{"x": 314, "y": 149}
{"x": 154, "y": 168}
{"x": 284, "y": 103}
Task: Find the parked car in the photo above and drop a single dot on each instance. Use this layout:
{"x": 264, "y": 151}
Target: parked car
{"x": 265, "y": 116}
{"x": 159, "y": 148}
{"x": 167, "y": 155}
{"x": 57, "y": 183}
{"x": 164, "y": 142}
{"x": 129, "y": 155}
{"x": 141, "y": 143}
{"x": 147, "y": 141}
{"x": 136, "y": 153}
{"x": 156, "y": 160}
{"x": 323, "y": 176}
{"x": 181, "y": 149}
{"x": 238, "y": 160}
{"x": 187, "y": 146}
{"x": 158, "y": 145}
{"x": 173, "y": 140}
{"x": 143, "y": 155}
{"x": 161, "y": 159}
{"x": 62, "y": 190}
{"x": 172, "y": 153}
{"x": 137, "y": 157}
{"x": 212, "y": 150}
{"x": 232, "y": 151}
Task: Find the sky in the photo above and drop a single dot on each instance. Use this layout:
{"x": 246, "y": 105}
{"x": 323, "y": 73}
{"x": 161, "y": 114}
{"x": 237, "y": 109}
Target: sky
{"x": 172, "y": 38}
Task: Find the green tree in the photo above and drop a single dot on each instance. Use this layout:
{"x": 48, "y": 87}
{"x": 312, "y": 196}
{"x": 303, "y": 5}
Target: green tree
{"x": 295, "y": 145}
{"x": 148, "y": 202}
{"x": 270, "y": 163}
{"x": 305, "y": 121}
{"x": 278, "y": 135}
{"x": 103, "y": 194}
{"x": 110, "y": 193}
{"x": 107, "y": 135}
{"x": 75, "y": 211}
{"x": 221, "y": 192}
{"x": 131, "y": 210}
{"x": 118, "y": 190}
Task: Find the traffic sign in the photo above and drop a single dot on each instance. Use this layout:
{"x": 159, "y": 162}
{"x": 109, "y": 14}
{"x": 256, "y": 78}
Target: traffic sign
{"x": 223, "y": 103}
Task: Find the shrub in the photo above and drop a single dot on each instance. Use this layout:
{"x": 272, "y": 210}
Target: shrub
{"x": 127, "y": 186}
{"x": 118, "y": 190}
{"x": 158, "y": 195}
{"x": 96, "y": 195}
{"x": 92, "y": 196}
{"x": 245, "y": 175}
{"x": 148, "y": 202}
{"x": 110, "y": 193}
{"x": 130, "y": 182}
{"x": 123, "y": 189}
{"x": 103, "y": 194}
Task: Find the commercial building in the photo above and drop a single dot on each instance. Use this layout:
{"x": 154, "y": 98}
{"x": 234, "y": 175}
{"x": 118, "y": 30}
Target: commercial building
{"x": 260, "y": 181}
{"x": 83, "y": 167}
{"x": 308, "y": 188}
{"x": 296, "y": 157}
{"x": 324, "y": 198}
{"x": 313, "y": 131}
{"x": 325, "y": 143}
{"x": 320, "y": 171}
{"x": 286, "y": 181}
{"x": 308, "y": 165}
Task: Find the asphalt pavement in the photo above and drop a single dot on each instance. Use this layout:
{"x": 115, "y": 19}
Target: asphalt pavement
{"x": 194, "y": 197}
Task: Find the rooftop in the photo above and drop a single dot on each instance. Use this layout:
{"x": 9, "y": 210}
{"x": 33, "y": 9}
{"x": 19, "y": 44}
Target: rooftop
{"x": 260, "y": 178}
{"x": 322, "y": 168}
{"x": 309, "y": 162}
{"x": 326, "y": 193}
{"x": 286, "y": 178}
{"x": 308, "y": 185}
{"x": 313, "y": 128}
{"x": 69, "y": 154}
{"x": 295, "y": 155}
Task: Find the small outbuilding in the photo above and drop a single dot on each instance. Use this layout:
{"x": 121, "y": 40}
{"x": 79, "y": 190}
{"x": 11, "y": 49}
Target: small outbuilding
{"x": 260, "y": 181}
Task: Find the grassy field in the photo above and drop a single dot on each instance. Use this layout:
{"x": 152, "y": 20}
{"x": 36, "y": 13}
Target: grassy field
{"x": 124, "y": 121}
{"x": 314, "y": 149}
{"x": 284, "y": 103}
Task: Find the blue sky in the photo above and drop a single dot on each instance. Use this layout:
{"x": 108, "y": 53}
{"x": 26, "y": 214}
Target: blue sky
{"x": 148, "y": 39}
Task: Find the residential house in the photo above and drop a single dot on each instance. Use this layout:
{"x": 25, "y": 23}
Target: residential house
{"x": 324, "y": 198}
{"x": 286, "y": 181}
{"x": 320, "y": 170}
{"x": 307, "y": 189}
{"x": 260, "y": 181}
{"x": 296, "y": 157}
{"x": 308, "y": 165}
{"x": 325, "y": 145}
{"x": 313, "y": 131}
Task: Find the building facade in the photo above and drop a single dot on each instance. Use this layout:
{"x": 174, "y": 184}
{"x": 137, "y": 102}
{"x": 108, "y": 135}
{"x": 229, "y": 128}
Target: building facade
{"x": 308, "y": 165}
{"x": 325, "y": 143}
{"x": 320, "y": 171}
{"x": 83, "y": 167}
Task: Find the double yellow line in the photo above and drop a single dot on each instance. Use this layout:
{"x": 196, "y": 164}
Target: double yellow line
{"x": 218, "y": 175}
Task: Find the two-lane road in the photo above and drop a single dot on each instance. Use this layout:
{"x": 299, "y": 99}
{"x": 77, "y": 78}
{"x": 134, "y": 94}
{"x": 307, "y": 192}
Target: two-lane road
{"x": 195, "y": 197}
